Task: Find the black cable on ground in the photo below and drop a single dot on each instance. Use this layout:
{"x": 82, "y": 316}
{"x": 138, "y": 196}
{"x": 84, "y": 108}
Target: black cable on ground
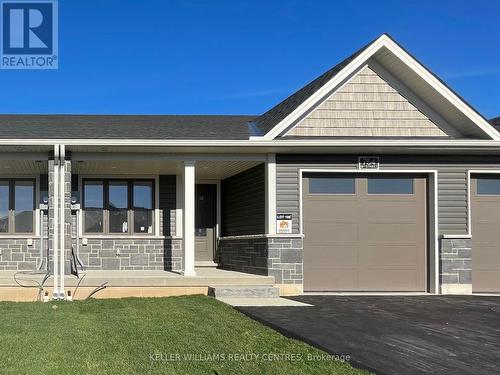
{"x": 35, "y": 283}
{"x": 99, "y": 288}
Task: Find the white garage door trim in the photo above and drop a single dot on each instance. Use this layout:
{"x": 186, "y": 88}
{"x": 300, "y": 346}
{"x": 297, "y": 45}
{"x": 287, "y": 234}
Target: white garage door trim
{"x": 434, "y": 286}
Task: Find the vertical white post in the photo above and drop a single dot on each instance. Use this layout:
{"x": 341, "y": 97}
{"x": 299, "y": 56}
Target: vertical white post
{"x": 55, "y": 222}
{"x": 271, "y": 194}
{"x": 62, "y": 220}
{"x": 188, "y": 215}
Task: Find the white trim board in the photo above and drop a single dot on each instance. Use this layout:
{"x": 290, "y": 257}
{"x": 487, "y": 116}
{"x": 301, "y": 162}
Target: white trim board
{"x": 270, "y": 199}
{"x": 433, "y": 211}
{"x": 383, "y": 41}
{"x": 254, "y": 143}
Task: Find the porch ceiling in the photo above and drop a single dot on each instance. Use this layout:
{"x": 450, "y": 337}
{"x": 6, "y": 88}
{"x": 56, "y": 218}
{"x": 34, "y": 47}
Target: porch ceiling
{"x": 23, "y": 167}
{"x": 213, "y": 169}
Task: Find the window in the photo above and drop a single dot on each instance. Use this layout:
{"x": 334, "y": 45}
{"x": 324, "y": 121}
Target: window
{"x": 4, "y": 206}
{"x": 331, "y": 185}
{"x": 17, "y": 206}
{"x": 143, "y": 206}
{"x": 93, "y": 193}
{"x": 24, "y": 204}
{"x": 488, "y": 186}
{"x": 118, "y": 206}
{"x": 388, "y": 185}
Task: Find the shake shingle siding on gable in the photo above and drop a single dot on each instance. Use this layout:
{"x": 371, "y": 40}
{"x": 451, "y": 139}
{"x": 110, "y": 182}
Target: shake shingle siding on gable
{"x": 124, "y": 127}
{"x": 367, "y": 106}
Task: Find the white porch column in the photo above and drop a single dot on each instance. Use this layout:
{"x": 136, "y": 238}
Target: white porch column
{"x": 188, "y": 216}
{"x": 271, "y": 194}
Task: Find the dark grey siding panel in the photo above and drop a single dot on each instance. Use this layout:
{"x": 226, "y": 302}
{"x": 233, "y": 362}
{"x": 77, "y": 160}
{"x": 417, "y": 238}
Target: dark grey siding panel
{"x": 44, "y": 186}
{"x": 243, "y": 203}
{"x": 167, "y": 205}
{"x": 452, "y": 181}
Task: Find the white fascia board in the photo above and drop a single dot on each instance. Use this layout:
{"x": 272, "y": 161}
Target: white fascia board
{"x": 271, "y": 143}
{"x": 276, "y": 144}
{"x": 424, "y": 73}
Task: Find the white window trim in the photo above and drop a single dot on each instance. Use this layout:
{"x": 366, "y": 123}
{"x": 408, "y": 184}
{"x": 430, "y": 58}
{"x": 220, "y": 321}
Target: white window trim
{"x": 434, "y": 286}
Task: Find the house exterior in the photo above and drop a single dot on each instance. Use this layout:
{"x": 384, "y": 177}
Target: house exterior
{"x": 374, "y": 177}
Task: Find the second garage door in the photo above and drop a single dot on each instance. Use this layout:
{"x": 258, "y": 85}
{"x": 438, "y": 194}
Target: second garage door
{"x": 364, "y": 232}
{"x": 485, "y": 211}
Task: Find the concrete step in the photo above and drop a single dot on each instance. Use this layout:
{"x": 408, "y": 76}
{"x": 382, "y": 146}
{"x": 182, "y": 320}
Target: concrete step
{"x": 208, "y": 263}
{"x": 248, "y": 291}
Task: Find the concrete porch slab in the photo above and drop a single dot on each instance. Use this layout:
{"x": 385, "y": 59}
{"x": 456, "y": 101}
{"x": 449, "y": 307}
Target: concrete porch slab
{"x": 204, "y": 277}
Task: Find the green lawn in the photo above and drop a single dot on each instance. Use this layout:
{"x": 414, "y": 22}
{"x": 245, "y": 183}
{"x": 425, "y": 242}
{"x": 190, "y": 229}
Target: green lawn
{"x": 148, "y": 335}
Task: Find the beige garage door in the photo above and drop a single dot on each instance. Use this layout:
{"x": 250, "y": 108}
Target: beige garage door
{"x": 364, "y": 232}
{"x": 485, "y": 211}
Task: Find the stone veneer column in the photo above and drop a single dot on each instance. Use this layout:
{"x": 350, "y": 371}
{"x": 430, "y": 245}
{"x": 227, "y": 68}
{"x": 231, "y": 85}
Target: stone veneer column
{"x": 67, "y": 213}
{"x": 456, "y": 266}
{"x": 51, "y": 222}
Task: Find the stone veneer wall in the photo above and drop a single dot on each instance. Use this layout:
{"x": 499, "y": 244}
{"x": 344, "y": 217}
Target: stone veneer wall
{"x": 456, "y": 265}
{"x": 280, "y": 257}
{"x": 17, "y": 255}
{"x": 132, "y": 254}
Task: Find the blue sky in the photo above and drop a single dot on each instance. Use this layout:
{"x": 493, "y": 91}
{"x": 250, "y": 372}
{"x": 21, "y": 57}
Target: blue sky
{"x": 232, "y": 57}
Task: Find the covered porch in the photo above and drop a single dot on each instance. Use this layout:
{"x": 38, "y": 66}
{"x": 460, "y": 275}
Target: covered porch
{"x": 156, "y": 211}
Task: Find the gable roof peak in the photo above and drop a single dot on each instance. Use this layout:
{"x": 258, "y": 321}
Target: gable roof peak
{"x": 279, "y": 118}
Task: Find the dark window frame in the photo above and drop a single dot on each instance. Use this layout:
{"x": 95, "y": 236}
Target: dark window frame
{"x": 483, "y": 178}
{"x": 331, "y": 177}
{"x": 385, "y": 177}
{"x": 130, "y": 207}
{"x": 11, "y": 221}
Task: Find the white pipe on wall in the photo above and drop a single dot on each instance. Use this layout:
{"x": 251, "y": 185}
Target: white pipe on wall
{"x": 62, "y": 219}
{"x": 55, "y": 221}
{"x": 42, "y": 245}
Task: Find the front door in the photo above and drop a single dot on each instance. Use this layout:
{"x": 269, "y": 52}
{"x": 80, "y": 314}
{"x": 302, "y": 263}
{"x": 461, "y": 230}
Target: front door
{"x": 205, "y": 220}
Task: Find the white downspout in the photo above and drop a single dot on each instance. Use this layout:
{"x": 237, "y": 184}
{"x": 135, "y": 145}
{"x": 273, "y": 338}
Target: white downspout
{"x": 62, "y": 219}
{"x": 55, "y": 222}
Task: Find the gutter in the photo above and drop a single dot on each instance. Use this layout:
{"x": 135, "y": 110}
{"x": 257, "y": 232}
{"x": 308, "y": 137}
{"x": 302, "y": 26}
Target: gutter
{"x": 258, "y": 142}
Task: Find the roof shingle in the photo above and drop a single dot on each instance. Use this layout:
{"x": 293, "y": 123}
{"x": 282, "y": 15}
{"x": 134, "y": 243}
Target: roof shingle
{"x": 225, "y": 127}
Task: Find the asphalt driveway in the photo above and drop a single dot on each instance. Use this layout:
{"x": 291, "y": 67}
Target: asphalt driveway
{"x": 397, "y": 334}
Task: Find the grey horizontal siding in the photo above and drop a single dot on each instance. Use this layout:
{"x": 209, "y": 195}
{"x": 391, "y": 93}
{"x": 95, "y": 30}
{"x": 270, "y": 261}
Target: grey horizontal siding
{"x": 452, "y": 181}
{"x": 167, "y": 204}
{"x": 243, "y": 203}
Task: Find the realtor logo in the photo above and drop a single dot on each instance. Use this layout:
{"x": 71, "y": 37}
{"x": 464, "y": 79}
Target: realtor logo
{"x": 29, "y": 35}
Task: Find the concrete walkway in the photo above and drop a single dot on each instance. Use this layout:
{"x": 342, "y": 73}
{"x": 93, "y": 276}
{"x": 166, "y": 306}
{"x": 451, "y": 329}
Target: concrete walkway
{"x": 262, "y": 302}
